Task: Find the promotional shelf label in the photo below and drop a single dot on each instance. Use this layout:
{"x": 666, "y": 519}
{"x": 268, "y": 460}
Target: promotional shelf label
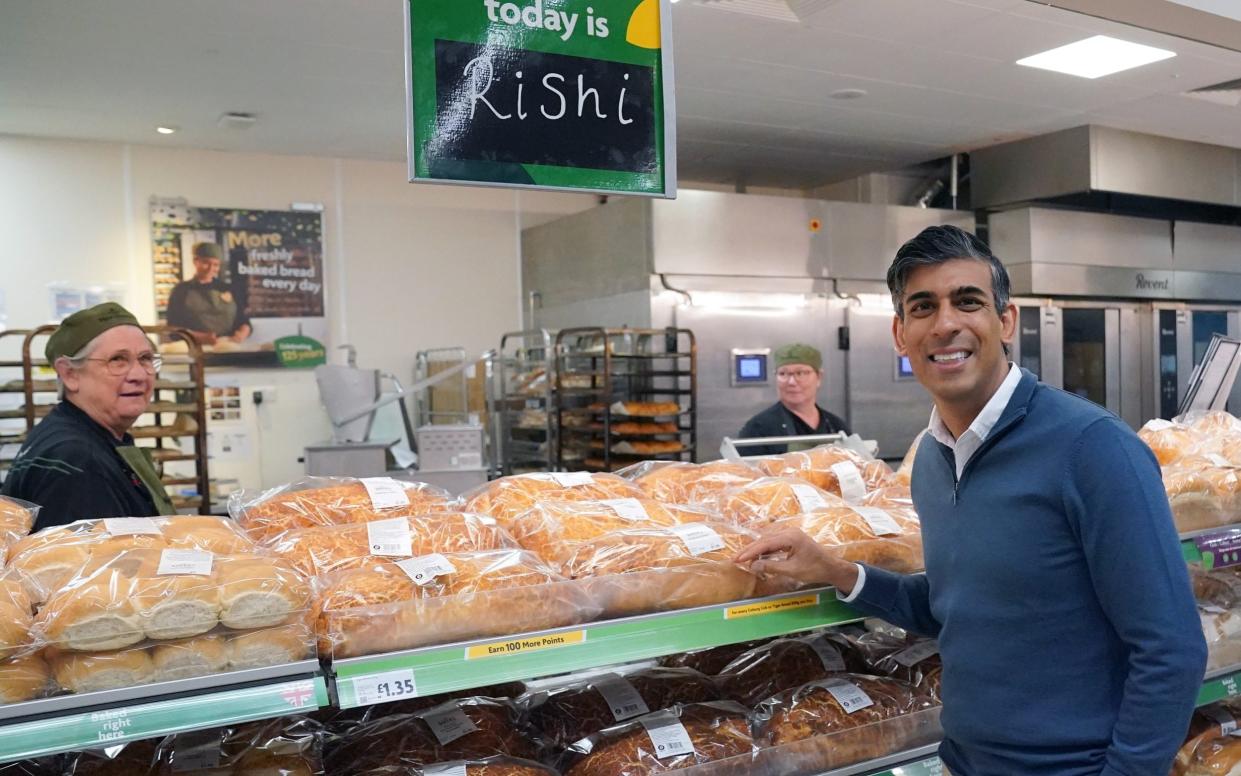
{"x": 526, "y": 644}
{"x": 767, "y": 607}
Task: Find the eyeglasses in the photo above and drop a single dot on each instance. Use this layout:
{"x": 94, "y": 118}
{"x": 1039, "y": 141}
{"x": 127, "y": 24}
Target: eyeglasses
{"x": 121, "y": 363}
{"x": 796, "y": 374}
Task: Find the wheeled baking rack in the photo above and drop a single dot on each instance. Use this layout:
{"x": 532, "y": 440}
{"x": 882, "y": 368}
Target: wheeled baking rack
{"x": 525, "y": 402}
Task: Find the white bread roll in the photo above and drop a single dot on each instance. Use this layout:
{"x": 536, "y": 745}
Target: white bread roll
{"x": 270, "y": 647}
{"x": 257, "y": 592}
{"x": 24, "y": 678}
{"x": 80, "y": 672}
{"x": 89, "y": 617}
{"x": 191, "y": 657}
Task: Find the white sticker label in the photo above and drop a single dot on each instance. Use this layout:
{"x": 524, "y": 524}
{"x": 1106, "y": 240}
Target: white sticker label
{"x": 850, "y": 697}
{"x": 668, "y": 735}
{"x": 698, "y": 538}
{"x": 828, "y": 654}
{"x": 1158, "y": 424}
{"x": 448, "y": 723}
{"x": 130, "y": 526}
{"x": 184, "y": 562}
{"x": 623, "y": 699}
{"x": 809, "y": 498}
{"x": 383, "y": 688}
{"x": 445, "y": 769}
{"x": 195, "y": 751}
{"x": 628, "y": 508}
{"x": 879, "y": 521}
{"x": 389, "y": 537}
{"x": 424, "y": 569}
{"x": 852, "y": 486}
{"x": 572, "y": 479}
{"x": 1227, "y": 723}
{"x": 385, "y": 492}
{"x": 916, "y": 654}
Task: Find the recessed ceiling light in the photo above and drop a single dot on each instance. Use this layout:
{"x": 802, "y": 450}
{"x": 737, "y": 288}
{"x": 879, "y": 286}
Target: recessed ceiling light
{"x": 848, "y": 94}
{"x": 166, "y": 130}
{"x": 1096, "y": 57}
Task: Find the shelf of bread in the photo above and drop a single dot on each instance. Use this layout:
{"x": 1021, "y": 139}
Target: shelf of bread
{"x": 1200, "y": 456}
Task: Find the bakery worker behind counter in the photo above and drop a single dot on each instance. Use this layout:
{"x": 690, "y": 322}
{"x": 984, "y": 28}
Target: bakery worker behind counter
{"x": 204, "y": 305}
{"x": 80, "y": 462}
{"x": 799, "y": 373}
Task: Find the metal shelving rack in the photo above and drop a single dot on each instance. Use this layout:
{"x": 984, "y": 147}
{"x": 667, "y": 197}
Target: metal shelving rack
{"x": 525, "y": 402}
{"x": 13, "y": 380}
{"x": 597, "y": 367}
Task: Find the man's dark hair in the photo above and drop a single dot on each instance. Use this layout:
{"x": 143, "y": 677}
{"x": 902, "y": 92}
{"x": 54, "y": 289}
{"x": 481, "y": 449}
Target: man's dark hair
{"x": 936, "y": 245}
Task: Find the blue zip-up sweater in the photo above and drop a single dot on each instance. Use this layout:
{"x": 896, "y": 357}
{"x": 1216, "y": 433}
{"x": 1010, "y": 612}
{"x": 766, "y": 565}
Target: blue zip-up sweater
{"x": 1055, "y": 585}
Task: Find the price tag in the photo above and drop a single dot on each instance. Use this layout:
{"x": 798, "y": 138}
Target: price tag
{"x": 184, "y": 562}
{"x": 879, "y": 521}
{"x": 850, "y": 697}
{"x": 916, "y": 654}
{"x": 809, "y": 498}
{"x": 448, "y": 723}
{"x": 668, "y": 735}
{"x": 130, "y": 526}
{"x": 385, "y": 492}
{"x": 628, "y": 508}
{"x": 1158, "y": 424}
{"x": 622, "y": 697}
{"x": 389, "y": 537}
{"x": 383, "y": 688}
{"x": 698, "y": 538}
{"x": 424, "y": 569}
{"x": 445, "y": 769}
{"x": 572, "y": 479}
{"x": 828, "y": 654}
{"x": 852, "y": 486}
{"x": 197, "y": 750}
{"x": 1220, "y": 716}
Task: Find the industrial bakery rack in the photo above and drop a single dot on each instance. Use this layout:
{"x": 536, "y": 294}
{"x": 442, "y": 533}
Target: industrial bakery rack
{"x": 12, "y": 397}
{"x": 524, "y": 402}
{"x": 625, "y": 395}
{"x": 174, "y": 427}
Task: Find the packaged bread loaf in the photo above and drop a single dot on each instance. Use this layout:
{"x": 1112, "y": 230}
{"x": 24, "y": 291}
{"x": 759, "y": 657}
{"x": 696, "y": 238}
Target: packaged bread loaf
{"x": 500, "y": 765}
{"x": 1216, "y": 587}
{"x": 508, "y": 497}
{"x": 863, "y": 535}
{"x": 264, "y": 647}
{"x": 779, "y": 665}
{"x": 566, "y": 714}
{"x": 764, "y": 500}
{"x": 16, "y": 614}
{"x": 283, "y": 746}
{"x": 644, "y": 570}
{"x": 1215, "y": 756}
{"x": 895, "y": 499}
{"x": 133, "y": 758}
{"x": 1222, "y": 631}
{"x": 1203, "y": 492}
{"x": 17, "y": 518}
{"x": 672, "y": 739}
{"x": 317, "y": 501}
{"x": 1208, "y": 723}
{"x": 24, "y": 677}
{"x": 1169, "y": 441}
{"x": 710, "y": 661}
{"x": 435, "y": 599}
{"x": 511, "y": 692}
{"x": 690, "y": 483}
{"x": 832, "y": 468}
{"x": 81, "y": 672}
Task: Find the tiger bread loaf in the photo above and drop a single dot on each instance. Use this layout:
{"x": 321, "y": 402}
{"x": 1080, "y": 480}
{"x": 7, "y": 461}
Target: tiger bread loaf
{"x": 678, "y": 737}
{"x": 832, "y": 468}
{"x": 770, "y": 498}
{"x": 441, "y": 598}
{"x": 324, "y": 549}
{"x": 779, "y": 665}
{"x": 569, "y": 713}
{"x": 508, "y": 497}
{"x": 647, "y": 447}
{"x": 712, "y": 660}
{"x": 862, "y": 535}
{"x": 284, "y": 746}
{"x": 648, "y": 569}
{"x": 318, "y": 501}
{"x": 690, "y": 483}
{"x": 509, "y": 691}
{"x": 640, "y": 427}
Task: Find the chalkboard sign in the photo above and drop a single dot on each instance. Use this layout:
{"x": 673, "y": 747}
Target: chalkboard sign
{"x": 558, "y": 94}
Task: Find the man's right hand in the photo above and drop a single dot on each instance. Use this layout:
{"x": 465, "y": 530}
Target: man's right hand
{"x": 792, "y": 553}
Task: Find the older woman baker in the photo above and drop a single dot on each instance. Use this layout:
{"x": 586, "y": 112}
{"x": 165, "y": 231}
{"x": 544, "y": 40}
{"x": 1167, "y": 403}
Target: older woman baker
{"x": 80, "y": 462}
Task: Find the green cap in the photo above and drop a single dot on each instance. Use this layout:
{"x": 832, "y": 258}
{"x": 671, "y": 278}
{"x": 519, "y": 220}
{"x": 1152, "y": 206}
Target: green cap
{"x": 799, "y": 353}
{"x": 208, "y": 250}
{"x": 83, "y": 326}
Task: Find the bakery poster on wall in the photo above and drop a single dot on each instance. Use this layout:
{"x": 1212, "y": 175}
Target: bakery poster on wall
{"x": 248, "y": 284}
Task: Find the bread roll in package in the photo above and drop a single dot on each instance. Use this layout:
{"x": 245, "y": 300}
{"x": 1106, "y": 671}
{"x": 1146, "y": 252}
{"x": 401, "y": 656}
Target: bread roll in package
{"x": 1204, "y": 491}
{"x": 24, "y": 674}
{"x": 388, "y": 605}
{"x": 319, "y": 501}
{"x": 767, "y": 499}
{"x": 1222, "y": 630}
{"x": 16, "y": 519}
{"x": 508, "y": 497}
{"x": 1210, "y": 748}
{"x": 871, "y": 535}
{"x": 832, "y": 468}
{"x": 690, "y": 483}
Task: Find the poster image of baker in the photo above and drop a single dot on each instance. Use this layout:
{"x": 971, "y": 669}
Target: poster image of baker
{"x": 204, "y": 304}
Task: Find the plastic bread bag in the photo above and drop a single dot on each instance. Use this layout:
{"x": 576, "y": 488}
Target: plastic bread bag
{"x": 573, "y": 712}
{"x": 17, "y": 517}
{"x": 442, "y": 598}
{"x": 710, "y": 661}
{"x": 1212, "y": 755}
{"x": 770, "y": 498}
{"x": 1204, "y": 491}
{"x": 1211, "y": 423}
{"x": 832, "y": 468}
{"x": 644, "y": 570}
{"x": 690, "y": 483}
{"x": 500, "y": 765}
{"x": 17, "y": 595}
{"x": 1222, "y": 631}
{"x": 135, "y": 758}
{"x": 553, "y": 529}
{"x": 904, "y": 474}
{"x": 284, "y": 746}
{"x": 1215, "y": 588}
{"x": 863, "y": 535}
{"x": 315, "y": 501}
{"x": 1169, "y": 441}
{"x": 324, "y": 549}
{"x": 508, "y": 497}
{"x": 917, "y": 663}
{"x": 509, "y": 692}
{"x": 780, "y": 665}
{"x": 671, "y": 739}
{"x": 25, "y": 677}
{"x": 84, "y": 672}
{"x": 43, "y": 766}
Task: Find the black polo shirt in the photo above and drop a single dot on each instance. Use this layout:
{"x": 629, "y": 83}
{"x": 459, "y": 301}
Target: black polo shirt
{"x": 778, "y": 420}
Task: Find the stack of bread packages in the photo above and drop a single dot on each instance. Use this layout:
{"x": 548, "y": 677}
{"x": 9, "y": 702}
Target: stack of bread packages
{"x": 128, "y": 601}
{"x": 1200, "y": 455}
{"x": 1212, "y": 746}
{"x": 397, "y": 565}
{"x": 1218, "y": 592}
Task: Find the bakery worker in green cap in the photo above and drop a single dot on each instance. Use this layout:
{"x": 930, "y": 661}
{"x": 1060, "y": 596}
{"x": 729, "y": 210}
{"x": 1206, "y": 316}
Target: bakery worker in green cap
{"x": 799, "y": 373}
{"x": 205, "y": 305}
{"x": 80, "y": 462}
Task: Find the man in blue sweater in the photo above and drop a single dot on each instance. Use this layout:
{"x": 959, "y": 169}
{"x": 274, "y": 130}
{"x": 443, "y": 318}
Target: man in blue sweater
{"x": 1054, "y": 579}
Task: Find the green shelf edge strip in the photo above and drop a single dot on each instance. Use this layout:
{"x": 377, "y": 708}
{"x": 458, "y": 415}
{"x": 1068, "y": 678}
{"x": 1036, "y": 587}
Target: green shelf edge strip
{"x": 931, "y": 766}
{"x": 1219, "y": 688}
{"x": 447, "y": 669}
{"x": 107, "y": 727}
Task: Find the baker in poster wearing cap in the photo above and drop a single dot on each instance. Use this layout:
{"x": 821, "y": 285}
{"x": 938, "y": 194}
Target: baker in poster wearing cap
{"x": 204, "y": 305}
{"x": 80, "y": 462}
{"x": 799, "y": 373}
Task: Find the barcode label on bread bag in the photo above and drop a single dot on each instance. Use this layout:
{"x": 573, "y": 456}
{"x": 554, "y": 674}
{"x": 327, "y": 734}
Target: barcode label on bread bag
{"x": 628, "y": 508}
{"x": 1220, "y": 716}
{"x": 383, "y": 688}
{"x": 850, "y": 697}
{"x": 572, "y": 479}
{"x": 385, "y": 492}
{"x": 425, "y": 568}
{"x": 668, "y": 735}
{"x": 130, "y": 526}
{"x": 916, "y": 654}
{"x": 622, "y": 698}
{"x": 196, "y": 750}
{"x": 698, "y": 538}
{"x": 184, "y": 562}
{"x": 852, "y": 486}
{"x": 879, "y": 521}
{"x": 448, "y": 723}
{"x": 829, "y": 654}
{"x": 389, "y": 537}
{"x": 445, "y": 769}
{"x": 809, "y": 498}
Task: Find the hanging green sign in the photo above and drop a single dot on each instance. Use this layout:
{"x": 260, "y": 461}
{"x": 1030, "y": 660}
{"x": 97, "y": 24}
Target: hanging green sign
{"x": 556, "y": 94}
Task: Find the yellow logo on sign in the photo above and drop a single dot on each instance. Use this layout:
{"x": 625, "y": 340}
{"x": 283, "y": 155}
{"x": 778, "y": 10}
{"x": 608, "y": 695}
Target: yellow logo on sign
{"x": 767, "y": 607}
{"x": 523, "y": 645}
{"x": 643, "y": 29}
